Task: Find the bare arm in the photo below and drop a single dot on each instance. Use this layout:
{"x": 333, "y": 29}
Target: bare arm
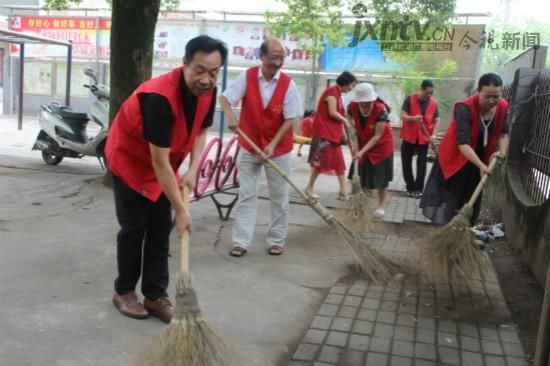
{"x": 281, "y": 132}
{"x": 333, "y": 110}
{"x": 190, "y": 177}
{"x": 160, "y": 158}
{"x": 437, "y": 125}
{"x": 378, "y": 132}
{"x": 406, "y": 117}
{"x": 232, "y": 121}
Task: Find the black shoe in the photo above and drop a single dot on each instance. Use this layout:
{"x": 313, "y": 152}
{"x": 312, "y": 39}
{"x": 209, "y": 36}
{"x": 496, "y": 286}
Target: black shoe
{"x": 410, "y": 194}
{"x": 417, "y": 195}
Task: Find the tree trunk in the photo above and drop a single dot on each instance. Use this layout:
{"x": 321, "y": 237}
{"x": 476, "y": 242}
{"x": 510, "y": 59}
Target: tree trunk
{"x": 132, "y": 37}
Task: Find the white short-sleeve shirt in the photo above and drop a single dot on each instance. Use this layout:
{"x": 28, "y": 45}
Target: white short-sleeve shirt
{"x": 292, "y": 107}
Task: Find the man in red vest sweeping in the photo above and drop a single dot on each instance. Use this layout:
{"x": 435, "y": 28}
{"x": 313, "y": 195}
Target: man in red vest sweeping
{"x": 419, "y": 114}
{"x": 161, "y": 123}
{"x": 270, "y": 105}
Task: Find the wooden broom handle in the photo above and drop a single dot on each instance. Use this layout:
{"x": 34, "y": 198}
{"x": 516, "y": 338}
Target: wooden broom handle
{"x": 482, "y": 182}
{"x": 184, "y": 240}
{"x": 272, "y": 164}
{"x": 425, "y": 129}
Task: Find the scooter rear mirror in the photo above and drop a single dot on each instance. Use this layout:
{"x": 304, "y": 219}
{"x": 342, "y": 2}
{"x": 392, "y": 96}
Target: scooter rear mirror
{"x": 90, "y": 72}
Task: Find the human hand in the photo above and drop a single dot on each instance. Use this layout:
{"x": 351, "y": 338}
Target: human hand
{"x": 497, "y": 154}
{"x": 268, "y": 150}
{"x": 183, "y": 222}
{"x": 188, "y": 179}
{"x": 484, "y": 170}
{"x": 418, "y": 118}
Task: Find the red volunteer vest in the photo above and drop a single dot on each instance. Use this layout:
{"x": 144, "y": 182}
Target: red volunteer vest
{"x": 411, "y": 131}
{"x": 323, "y": 125}
{"x": 128, "y": 153}
{"x": 450, "y": 158}
{"x": 384, "y": 148}
{"x": 259, "y": 123}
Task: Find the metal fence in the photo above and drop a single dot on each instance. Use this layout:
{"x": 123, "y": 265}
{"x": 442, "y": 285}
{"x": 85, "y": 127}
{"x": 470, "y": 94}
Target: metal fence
{"x": 536, "y": 148}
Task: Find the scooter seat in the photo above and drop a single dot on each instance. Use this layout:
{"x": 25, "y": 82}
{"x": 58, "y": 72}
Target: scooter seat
{"x": 68, "y": 113}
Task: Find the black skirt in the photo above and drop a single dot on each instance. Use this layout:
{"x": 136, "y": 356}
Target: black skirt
{"x": 442, "y": 199}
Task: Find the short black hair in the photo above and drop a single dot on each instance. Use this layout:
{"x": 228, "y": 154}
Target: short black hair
{"x": 489, "y": 79}
{"x": 309, "y": 113}
{"x": 345, "y": 78}
{"x": 427, "y": 83}
{"x": 207, "y": 45}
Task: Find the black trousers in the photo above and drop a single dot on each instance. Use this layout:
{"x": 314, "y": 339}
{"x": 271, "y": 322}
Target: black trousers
{"x": 142, "y": 242}
{"x": 408, "y": 151}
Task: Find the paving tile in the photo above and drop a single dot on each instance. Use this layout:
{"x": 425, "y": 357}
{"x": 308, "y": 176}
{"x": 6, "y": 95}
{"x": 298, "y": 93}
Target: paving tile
{"x": 470, "y": 344}
{"x": 339, "y": 289}
{"x": 490, "y": 347}
{"x": 369, "y": 303}
{"x": 300, "y": 363}
{"x": 334, "y": 299}
{"x": 425, "y": 322}
{"x": 425, "y": 351}
{"x": 389, "y": 306}
{"x": 367, "y": 314}
{"x": 376, "y": 359}
{"x": 404, "y": 333}
{"x": 353, "y": 358}
{"x": 306, "y": 352}
{"x": 447, "y": 326}
{"x": 513, "y": 349}
{"x": 341, "y": 324}
{"x": 347, "y": 312}
{"x": 424, "y": 363}
{"x": 363, "y": 327}
{"x": 328, "y": 310}
{"x": 337, "y": 339}
{"x": 383, "y": 330}
{"x": 489, "y": 334}
{"x": 330, "y": 354}
{"x": 357, "y": 289}
{"x": 352, "y": 300}
{"x": 425, "y": 335}
{"x": 321, "y": 322}
{"x": 381, "y": 345}
{"x": 448, "y": 355}
{"x": 359, "y": 342}
{"x": 400, "y": 361}
{"x": 494, "y": 361}
{"x": 406, "y": 320}
{"x": 466, "y": 329}
{"x": 516, "y": 361}
{"x": 315, "y": 336}
{"x": 509, "y": 337}
{"x": 403, "y": 348}
{"x": 447, "y": 339}
{"x": 386, "y": 317}
{"x": 472, "y": 359}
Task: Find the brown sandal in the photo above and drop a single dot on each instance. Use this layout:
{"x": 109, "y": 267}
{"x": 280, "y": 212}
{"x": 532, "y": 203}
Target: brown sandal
{"x": 275, "y": 250}
{"x": 237, "y": 251}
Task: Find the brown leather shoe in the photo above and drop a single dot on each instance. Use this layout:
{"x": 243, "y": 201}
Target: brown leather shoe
{"x": 160, "y": 308}
{"x": 129, "y": 305}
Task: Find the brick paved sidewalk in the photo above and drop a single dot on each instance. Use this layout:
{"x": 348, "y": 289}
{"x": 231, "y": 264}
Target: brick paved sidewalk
{"x": 413, "y": 322}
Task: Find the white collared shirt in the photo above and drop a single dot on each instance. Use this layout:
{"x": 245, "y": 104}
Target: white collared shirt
{"x": 292, "y": 107}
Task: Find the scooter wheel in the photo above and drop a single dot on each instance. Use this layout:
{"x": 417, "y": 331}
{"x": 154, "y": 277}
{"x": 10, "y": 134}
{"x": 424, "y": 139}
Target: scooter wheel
{"x": 50, "y": 158}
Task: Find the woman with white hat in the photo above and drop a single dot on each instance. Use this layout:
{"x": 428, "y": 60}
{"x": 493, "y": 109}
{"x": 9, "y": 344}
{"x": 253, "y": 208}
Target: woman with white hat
{"x": 375, "y": 139}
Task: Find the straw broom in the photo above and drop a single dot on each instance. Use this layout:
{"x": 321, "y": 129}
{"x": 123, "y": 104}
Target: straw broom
{"x": 188, "y": 340}
{"x": 367, "y": 260}
{"x": 425, "y": 130}
{"x": 451, "y": 253}
{"x": 358, "y": 200}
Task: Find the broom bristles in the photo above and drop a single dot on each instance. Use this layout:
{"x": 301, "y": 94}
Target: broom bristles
{"x": 450, "y": 254}
{"x": 189, "y": 340}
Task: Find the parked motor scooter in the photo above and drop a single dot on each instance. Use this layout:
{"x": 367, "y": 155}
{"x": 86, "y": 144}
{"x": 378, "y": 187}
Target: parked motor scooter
{"x": 63, "y": 130}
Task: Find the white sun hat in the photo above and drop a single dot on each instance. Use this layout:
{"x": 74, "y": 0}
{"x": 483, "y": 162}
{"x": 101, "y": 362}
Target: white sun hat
{"x": 364, "y": 92}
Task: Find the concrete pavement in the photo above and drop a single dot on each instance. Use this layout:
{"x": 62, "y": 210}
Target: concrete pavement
{"x": 57, "y": 264}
